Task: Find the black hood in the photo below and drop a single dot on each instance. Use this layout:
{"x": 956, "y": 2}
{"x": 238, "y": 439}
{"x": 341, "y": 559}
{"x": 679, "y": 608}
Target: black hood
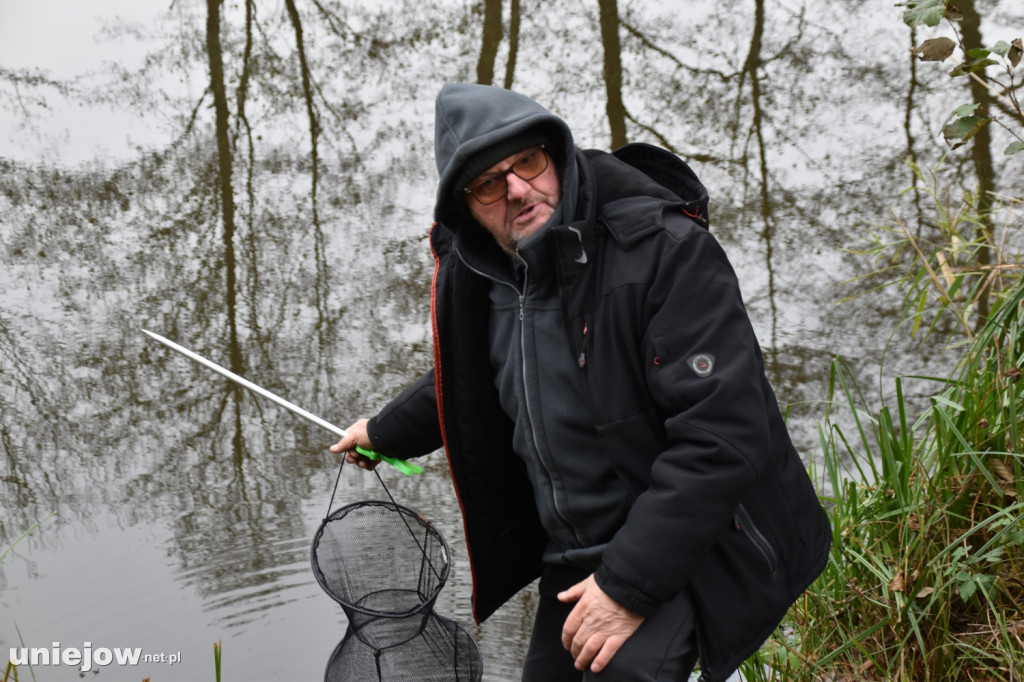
{"x": 470, "y": 118}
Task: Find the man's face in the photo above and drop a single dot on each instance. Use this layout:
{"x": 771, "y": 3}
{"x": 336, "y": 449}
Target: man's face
{"x": 525, "y": 206}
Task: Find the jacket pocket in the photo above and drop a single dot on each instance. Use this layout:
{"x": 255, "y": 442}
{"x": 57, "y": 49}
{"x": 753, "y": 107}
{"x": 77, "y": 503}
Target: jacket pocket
{"x": 744, "y": 523}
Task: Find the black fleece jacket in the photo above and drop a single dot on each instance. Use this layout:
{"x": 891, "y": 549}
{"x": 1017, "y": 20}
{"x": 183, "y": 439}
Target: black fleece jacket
{"x": 722, "y": 505}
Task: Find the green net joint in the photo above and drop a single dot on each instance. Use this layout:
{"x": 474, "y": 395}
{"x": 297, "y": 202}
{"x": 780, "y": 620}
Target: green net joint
{"x": 405, "y": 466}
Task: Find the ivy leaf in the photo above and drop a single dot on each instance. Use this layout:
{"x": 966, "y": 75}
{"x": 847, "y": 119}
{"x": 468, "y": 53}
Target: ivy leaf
{"x": 1013, "y": 149}
{"x": 927, "y": 12}
{"x": 934, "y": 49}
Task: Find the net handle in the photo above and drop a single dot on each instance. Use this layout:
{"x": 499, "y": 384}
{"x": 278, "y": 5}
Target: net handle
{"x": 391, "y": 497}
{"x": 337, "y": 480}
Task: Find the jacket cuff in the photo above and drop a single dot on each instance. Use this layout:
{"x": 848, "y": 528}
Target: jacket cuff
{"x": 373, "y": 433}
{"x": 623, "y": 593}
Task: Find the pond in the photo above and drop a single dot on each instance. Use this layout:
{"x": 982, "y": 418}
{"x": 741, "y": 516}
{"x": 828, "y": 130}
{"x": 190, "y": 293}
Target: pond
{"x": 177, "y": 511}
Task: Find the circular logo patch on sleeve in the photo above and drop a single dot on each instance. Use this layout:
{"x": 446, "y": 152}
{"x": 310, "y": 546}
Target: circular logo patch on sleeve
{"x": 702, "y": 364}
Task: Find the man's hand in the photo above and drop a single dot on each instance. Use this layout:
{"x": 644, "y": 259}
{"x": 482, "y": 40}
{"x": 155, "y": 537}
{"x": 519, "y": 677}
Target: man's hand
{"x": 597, "y": 625}
{"x": 356, "y": 436}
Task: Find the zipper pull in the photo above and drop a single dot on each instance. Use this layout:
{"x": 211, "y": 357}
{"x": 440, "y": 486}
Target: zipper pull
{"x": 582, "y": 359}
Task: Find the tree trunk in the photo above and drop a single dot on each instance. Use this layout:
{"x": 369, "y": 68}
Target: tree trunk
{"x": 319, "y": 240}
{"x": 513, "y": 43}
{"x": 981, "y": 151}
{"x": 613, "y": 71}
{"x": 224, "y": 158}
{"x": 491, "y": 40}
{"x": 752, "y": 70}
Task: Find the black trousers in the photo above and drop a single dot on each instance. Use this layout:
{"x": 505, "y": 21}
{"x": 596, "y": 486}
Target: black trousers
{"x": 663, "y": 649}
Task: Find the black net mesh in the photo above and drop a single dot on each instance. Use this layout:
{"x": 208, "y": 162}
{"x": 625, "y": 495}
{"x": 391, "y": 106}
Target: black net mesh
{"x": 441, "y": 652}
{"x": 385, "y": 565}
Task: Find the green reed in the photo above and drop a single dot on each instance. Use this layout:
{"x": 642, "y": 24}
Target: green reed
{"x": 924, "y": 581}
{"x": 217, "y": 646}
{"x": 11, "y": 670}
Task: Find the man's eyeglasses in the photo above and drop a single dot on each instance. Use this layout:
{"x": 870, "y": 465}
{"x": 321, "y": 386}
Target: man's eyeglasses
{"x": 495, "y": 186}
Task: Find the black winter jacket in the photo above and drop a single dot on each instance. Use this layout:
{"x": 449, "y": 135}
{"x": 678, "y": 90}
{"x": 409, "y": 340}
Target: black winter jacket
{"x": 723, "y": 506}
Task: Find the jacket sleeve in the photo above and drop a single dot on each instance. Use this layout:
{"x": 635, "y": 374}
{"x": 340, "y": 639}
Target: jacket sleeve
{"x": 705, "y": 376}
{"x": 408, "y": 426}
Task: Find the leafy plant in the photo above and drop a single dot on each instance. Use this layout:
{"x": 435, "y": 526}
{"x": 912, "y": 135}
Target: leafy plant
{"x": 968, "y": 119}
{"x": 926, "y": 499}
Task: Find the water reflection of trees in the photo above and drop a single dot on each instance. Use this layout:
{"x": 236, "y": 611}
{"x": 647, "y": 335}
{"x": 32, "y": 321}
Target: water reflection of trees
{"x": 281, "y": 229}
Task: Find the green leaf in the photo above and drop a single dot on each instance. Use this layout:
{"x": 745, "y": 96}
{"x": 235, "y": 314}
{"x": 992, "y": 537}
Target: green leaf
{"x": 1014, "y": 147}
{"x": 967, "y": 589}
{"x": 963, "y": 129}
{"x": 966, "y": 109}
{"x": 949, "y": 403}
{"x": 1016, "y": 536}
{"x": 1002, "y": 48}
{"x": 971, "y": 66}
{"x": 978, "y": 53}
{"x": 927, "y": 12}
{"x": 994, "y": 556}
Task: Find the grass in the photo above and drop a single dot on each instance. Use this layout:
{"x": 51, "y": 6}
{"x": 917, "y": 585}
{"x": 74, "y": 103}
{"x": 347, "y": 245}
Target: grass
{"x": 11, "y": 670}
{"x": 927, "y": 504}
{"x": 24, "y": 535}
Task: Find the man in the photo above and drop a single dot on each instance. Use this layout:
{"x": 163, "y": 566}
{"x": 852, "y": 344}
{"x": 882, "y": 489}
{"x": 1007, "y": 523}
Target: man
{"x": 602, "y": 403}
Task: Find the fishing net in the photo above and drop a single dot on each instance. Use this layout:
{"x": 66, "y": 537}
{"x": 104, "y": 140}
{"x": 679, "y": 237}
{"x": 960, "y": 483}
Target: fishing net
{"x": 442, "y": 652}
{"x": 385, "y": 565}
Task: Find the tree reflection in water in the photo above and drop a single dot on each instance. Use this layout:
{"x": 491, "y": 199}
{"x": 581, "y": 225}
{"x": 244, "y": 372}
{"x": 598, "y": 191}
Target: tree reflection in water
{"x": 275, "y": 220}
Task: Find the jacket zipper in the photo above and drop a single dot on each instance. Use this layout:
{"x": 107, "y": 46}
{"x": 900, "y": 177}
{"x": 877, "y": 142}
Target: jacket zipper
{"x": 521, "y": 294}
{"x": 745, "y": 524}
{"x": 529, "y": 406}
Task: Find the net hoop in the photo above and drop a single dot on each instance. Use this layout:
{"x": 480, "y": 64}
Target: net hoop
{"x": 431, "y": 577}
